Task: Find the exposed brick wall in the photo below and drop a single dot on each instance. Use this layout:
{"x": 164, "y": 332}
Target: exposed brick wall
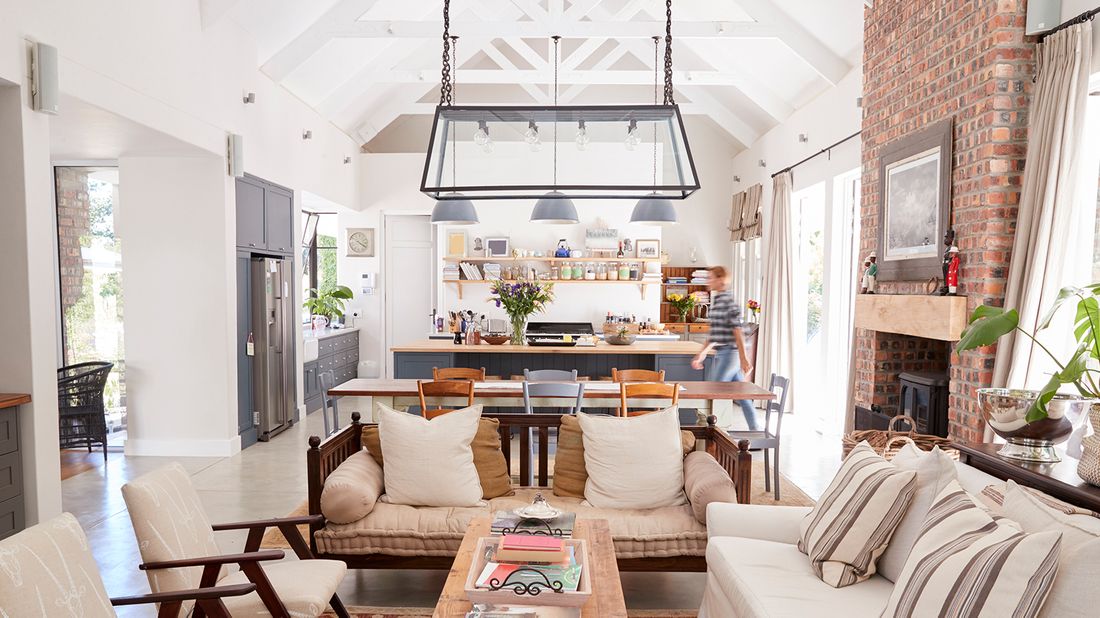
{"x": 923, "y": 62}
{"x": 72, "y": 223}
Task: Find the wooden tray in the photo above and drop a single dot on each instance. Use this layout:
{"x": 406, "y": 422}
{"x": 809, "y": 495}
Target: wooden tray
{"x": 546, "y": 598}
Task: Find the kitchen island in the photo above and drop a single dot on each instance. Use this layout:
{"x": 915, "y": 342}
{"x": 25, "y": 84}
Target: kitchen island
{"x": 504, "y": 361}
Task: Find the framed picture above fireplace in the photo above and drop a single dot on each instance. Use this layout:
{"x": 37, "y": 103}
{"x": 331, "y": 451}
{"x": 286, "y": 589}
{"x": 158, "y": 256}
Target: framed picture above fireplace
{"x": 914, "y": 204}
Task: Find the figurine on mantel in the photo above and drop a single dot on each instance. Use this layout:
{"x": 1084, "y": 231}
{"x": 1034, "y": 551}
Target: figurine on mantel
{"x": 950, "y": 264}
{"x": 870, "y": 274}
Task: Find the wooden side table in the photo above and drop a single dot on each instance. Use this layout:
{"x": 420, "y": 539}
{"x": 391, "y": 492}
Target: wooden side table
{"x": 1059, "y": 480}
{"x": 607, "y": 591}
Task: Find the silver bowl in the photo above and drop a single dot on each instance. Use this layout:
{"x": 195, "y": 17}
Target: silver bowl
{"x": 1005, "y": 411}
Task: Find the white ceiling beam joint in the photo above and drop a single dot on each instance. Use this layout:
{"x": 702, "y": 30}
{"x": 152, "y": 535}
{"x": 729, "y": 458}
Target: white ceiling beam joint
{"x": 314, "y": 37}
{"x": 799, "y": 39}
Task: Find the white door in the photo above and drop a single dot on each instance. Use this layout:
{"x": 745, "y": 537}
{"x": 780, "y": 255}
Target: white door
{"x": 409, "y": 286}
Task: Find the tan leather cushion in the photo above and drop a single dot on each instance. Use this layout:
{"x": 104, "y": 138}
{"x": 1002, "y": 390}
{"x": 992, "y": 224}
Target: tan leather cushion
{"x": 705, "y": 481}
{"x": 492, "y": 470}
{"x": 398, "y": 530}
{"x": 352, "y": 490}
{"x": 570, "y": 474}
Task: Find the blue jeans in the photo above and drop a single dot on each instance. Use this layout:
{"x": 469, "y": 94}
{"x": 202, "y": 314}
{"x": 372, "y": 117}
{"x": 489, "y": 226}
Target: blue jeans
{"x": 727, "y": 368}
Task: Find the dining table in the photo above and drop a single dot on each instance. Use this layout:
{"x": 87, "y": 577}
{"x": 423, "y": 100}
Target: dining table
{"x": 697, "y": 399}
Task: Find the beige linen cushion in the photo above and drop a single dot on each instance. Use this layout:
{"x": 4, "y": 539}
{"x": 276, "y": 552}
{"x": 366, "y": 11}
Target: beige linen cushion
{"x": 967, "y": 563}
{"x": 634, "y": 462}
{"x": 849, "y": 528}
{"x": 352, "y": 489}
{"x": 1075, "y": 591}
{"x": 934, "y": 471}
{"x": 569, "y": 473}
{"x": 430, "y": 462}
{"x": 48, "y": 570}
{"x": 492, "y": 469}
{"x": 705, "y": 481}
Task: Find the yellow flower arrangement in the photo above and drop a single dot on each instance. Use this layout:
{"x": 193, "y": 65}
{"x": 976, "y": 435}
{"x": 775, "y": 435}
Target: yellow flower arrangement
{"x": 683, "y": 303}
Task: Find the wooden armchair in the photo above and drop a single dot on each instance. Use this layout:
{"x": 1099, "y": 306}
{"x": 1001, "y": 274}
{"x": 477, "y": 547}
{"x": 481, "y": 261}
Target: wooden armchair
{"x": 637, "y": 375}
{"x": 443, "y": 388}
{"x": 458, "y": 373}
{"x": 56, "y": 569}
{"x": 646, "y": 390}
{"x": 177, "y": 544}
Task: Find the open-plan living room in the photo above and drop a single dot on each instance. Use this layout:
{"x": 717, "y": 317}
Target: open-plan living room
{"x": 550, "y": 308}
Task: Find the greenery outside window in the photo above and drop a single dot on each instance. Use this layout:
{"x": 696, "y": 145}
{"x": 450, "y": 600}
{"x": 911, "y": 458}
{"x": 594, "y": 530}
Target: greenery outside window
{"x": 319, "y": 266}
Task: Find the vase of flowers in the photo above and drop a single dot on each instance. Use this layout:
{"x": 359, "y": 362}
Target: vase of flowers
{"x": 520, "y": 301}
{"x": 754, "y": 309}
{"x": 682, "y": 303}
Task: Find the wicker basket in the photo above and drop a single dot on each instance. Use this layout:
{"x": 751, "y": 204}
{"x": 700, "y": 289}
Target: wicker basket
{"x": 888, "y": 443}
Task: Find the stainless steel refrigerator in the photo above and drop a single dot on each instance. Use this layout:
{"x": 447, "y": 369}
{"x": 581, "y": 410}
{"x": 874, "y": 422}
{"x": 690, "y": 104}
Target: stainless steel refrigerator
{"x": 273, "y": 315}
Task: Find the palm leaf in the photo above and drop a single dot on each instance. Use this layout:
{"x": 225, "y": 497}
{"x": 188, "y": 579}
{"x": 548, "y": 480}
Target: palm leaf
{"x": 987, "y": 325}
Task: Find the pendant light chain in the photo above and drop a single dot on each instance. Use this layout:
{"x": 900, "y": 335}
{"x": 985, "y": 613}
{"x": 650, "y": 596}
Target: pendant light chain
{"x": 669, "y": 100}
{"x": 656, "y": 87}
{"x": 450, "y": 97}
{"x": 557, "y": 40}
{"x": 446, "y": 85}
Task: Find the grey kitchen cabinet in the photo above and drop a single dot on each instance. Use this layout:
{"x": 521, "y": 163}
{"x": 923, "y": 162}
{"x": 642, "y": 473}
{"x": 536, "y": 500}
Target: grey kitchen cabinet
{"x": 338, "y": 353}
{"x": 265, "y": 216}
{"x": 311, "y": 386}
{"x": 246, "y": 426}
{"x": 12, "y": 515}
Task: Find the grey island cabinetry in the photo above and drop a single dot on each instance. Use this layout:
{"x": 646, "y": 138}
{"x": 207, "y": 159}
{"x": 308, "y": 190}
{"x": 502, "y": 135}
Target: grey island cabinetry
{"x": 338, "y": 352}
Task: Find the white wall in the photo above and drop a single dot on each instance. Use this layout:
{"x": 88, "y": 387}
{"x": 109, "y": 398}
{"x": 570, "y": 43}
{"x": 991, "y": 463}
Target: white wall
{"x": 178, "y": 281}
{"x": 29, "y": 298}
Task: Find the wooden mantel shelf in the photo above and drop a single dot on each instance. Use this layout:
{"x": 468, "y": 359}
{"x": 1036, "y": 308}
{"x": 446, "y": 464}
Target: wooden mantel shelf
{"x": 931, "y": 317}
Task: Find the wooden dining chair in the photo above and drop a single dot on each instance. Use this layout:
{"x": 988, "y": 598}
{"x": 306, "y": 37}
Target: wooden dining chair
{"x": 646, "y": 390}
{"x": 443, "y": 388}
{"x": 458, "y": 373}
{"x": 637, "y": 375}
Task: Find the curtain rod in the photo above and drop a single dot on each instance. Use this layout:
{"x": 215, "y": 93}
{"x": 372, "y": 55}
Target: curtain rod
{"x": 1080, "y": 19}
{"x": 816, "y": 154}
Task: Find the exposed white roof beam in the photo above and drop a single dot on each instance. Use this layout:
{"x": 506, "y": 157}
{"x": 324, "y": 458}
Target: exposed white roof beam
{"x": 314, "y": 37}
{"x": 511, "y": 75}
{"x": 210, "y": 11}
{"x": 580, "y": 8}
{"x": 531, "y": 9}
{"x": 604, "y": 63}
{"x": 704, "y": 102}
{"x": 563, "y": 27}
{"x": 801, "y": 41}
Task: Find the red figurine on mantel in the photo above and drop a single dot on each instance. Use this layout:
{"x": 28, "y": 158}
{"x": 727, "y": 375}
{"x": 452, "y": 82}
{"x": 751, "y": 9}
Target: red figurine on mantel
{"x": 952, "y": 280}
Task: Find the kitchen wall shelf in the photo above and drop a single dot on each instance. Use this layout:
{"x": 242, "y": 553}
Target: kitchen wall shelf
{"x": 458, "y": 283}
{"x": 594, "y": 260}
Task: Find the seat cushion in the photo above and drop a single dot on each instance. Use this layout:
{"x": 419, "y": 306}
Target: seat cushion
{"x": 766, "y": 578}
{"x": 304, "y": 586}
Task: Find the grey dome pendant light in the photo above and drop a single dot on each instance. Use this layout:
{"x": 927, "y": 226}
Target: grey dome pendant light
{"x": 452, "y": 208}
{"x": 555, "y": 207}
{"x": 653, "y": 209}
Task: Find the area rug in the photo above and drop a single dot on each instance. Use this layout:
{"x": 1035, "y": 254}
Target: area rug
{"x": 422, "y": 612}
{"x": 790, "y": 495}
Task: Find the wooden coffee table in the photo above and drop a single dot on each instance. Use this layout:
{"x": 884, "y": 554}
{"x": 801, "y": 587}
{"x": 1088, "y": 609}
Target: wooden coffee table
{"x": 607, "y": 591}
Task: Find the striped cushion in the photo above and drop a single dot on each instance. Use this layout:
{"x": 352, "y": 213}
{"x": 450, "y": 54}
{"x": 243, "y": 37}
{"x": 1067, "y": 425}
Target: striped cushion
{"x": 849, "y": 528}
{"x": 967, "y": 563}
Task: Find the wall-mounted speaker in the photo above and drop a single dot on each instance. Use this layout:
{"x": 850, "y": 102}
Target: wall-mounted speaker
{"x": 234, "y": 154}
{"x": 1042, "y": 15}
{"x": 44, "y": 88}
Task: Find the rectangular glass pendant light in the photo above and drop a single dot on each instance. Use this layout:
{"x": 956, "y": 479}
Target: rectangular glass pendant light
{"x": 603, "y": 152}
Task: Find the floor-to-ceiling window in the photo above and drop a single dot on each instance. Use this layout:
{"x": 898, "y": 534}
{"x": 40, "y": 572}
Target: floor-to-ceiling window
{"x": 319, "y": 242}
{"x": 90, "y": 278}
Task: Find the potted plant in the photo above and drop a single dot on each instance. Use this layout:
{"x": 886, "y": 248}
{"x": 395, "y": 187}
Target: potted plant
{"x": 682, "y": 303}
{"x": 520, "y": 301}
{"x": 328, "y": 303}
{"x": 1032, "y": 422}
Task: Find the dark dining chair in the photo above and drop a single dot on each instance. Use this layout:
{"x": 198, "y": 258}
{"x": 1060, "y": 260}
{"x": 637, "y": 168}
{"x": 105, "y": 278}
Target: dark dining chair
{"x": 82, "y": 417}
{"x": 767, "y": 439}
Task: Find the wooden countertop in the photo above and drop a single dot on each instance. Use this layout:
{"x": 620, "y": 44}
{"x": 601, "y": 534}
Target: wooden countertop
{"x": 371, "y": 387}
{"x": 10, "y": 400}
{"x": 638, "y": 347}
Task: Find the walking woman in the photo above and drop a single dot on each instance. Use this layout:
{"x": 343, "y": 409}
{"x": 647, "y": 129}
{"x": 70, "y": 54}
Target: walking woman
{"x": 731, "y": 364}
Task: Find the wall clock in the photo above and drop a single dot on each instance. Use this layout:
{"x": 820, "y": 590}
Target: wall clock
{"x": 360, "y": 242}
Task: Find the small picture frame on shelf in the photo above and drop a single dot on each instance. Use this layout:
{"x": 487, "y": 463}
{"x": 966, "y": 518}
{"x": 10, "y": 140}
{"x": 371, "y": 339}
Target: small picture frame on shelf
{"x": 649, "y": 248}
{"x": 456, "y": 244}
{"x": 497, "y": 247}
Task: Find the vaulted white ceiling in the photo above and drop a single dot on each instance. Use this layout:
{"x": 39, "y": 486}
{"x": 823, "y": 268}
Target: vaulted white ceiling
{"x": 365, "y": 64}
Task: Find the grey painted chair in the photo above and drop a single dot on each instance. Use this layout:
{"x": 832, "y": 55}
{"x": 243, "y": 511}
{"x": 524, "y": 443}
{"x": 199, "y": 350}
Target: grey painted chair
{"x": 553, "y": 389}
{"x": 550, "y": 375}
{"x": 767, "y": 439}
{"x": 329, "y": 403}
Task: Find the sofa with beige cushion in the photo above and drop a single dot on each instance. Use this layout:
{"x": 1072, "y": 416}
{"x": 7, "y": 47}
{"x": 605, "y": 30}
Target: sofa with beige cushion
{"x": 361, "y": 528}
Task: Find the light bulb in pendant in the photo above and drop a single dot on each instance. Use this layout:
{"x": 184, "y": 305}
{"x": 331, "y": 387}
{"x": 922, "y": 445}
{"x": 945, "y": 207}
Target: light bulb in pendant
{"x": 531, "y": 136}
{"x": 481, "y": 136}
{"x": 582, "y": 138}
{"x": 632, "y": 140}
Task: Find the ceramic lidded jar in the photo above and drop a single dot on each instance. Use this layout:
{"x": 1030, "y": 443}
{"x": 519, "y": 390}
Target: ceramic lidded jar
{"x": 1088, "y": 468}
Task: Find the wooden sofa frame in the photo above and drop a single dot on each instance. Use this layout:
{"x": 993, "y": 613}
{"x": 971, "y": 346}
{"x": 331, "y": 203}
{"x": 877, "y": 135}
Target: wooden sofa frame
{"x": 323, "y": 457}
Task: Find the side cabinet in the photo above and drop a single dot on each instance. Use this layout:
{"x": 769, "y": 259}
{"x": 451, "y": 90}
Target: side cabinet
{"x": 311, "y": 385}
{"x": 265, "y": 216}
{"x": 11, "y": 474}
{"x": 418, "y": 365}
{"x": 336, "y": 353}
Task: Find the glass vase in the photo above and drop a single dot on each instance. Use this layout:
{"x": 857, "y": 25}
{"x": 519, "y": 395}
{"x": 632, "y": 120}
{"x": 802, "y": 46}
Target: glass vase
{"x": 519, "y": 329}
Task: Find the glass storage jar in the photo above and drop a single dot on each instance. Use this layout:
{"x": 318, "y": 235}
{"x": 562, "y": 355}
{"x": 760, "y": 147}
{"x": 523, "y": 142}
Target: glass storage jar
{"x": 613, "y": 272}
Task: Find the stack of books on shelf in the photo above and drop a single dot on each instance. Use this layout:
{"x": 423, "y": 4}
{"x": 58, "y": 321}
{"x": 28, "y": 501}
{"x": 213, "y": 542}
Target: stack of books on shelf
{"x": 677, "y": 280}
{"x": 538, "y": 555}
{"x": 505, "y": 520}
{"x": 700, "y": 276}
{"x": 651, "y": 277}
{"x": 492, "y": 271}
{"x": 471, "y": 271}
{"x": 450, "y": 272}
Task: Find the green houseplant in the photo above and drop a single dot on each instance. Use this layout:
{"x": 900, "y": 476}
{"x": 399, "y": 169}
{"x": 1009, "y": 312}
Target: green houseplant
{"x": 328, "y": 302}
{"x": 521, "y": 301}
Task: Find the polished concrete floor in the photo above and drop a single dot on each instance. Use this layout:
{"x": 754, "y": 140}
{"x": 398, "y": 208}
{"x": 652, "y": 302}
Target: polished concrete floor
{"x": 269, "y": 480}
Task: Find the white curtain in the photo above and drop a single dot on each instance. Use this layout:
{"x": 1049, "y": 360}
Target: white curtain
{"x": 776, "y": 339}
{"x": 1056, "y": 220}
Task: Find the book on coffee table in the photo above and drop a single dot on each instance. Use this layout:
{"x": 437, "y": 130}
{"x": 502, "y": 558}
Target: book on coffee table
{"x": 567, "y": 572}
{"x": 524, "y": 548}
{"x": 514, "y": 524}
